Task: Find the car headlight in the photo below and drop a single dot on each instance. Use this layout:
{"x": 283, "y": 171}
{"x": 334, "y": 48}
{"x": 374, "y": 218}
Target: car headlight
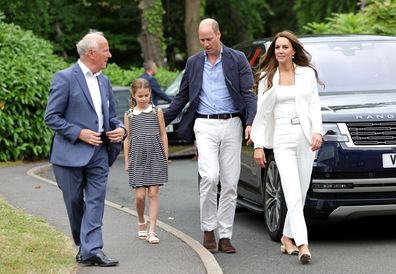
{"x": 332, "y": 133}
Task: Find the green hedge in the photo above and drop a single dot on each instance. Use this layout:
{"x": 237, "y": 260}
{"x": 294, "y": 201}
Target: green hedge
{"x": 121, "y": 77}
{"x": 27, "y": 66}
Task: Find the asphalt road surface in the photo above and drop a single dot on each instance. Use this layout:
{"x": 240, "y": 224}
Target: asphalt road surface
{"x": 363, "y": 246}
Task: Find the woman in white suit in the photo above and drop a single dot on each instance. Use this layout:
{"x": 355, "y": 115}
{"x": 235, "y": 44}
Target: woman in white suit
{"x": 289, "y": 121}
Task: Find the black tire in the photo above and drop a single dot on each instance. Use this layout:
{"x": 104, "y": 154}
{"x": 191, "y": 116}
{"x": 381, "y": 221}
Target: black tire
{"x": 274, "y": 201}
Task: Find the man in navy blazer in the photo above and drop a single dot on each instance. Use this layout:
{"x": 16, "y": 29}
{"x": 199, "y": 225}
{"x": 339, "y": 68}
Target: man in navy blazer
{"x": 217, "y": 86}
{"x": 87, "y": 139}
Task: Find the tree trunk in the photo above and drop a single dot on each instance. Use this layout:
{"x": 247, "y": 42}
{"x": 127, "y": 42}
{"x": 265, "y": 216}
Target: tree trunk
{"x": 151, "y": 37}
{"x": 191, "y": 22}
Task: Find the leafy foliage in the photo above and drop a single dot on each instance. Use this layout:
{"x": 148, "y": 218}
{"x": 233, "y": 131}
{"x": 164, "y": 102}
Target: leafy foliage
{"x": 64, "y": 22}
{"x": 122, "y": 77}
{"x": 381, "y": 16}
{"x": 340, "y": 23}
{"x": 317, "y": 11}
{"x": 27, "y": 65}
{"x": 378, "y": 17}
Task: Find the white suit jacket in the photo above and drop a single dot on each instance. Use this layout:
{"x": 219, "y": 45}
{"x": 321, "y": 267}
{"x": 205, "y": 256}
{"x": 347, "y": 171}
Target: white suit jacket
{"x": 307, "y": 107}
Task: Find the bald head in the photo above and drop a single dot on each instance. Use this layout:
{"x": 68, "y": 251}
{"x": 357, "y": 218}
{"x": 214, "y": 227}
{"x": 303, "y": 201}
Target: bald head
{"x": 209, "y": 22}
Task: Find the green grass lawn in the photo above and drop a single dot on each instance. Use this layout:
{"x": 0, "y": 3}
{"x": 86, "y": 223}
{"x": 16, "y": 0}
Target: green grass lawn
{"x": 29, "y": 245}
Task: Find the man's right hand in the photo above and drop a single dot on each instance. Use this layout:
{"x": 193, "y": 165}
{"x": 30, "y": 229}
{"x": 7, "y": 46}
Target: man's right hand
{"x": 90, "y": 137}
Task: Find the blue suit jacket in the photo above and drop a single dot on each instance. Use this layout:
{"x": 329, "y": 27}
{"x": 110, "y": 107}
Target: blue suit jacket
{"x": 156, "y": 89}
{"x": 70, "y": 109}
{"x": 239, "y": 81}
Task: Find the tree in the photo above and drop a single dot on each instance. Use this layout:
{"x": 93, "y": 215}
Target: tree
{"x": 191, "y": 22}
{"x": 239, "y": 20}
{"x": 151, "y": 38}
{"x": 281, "y": 17}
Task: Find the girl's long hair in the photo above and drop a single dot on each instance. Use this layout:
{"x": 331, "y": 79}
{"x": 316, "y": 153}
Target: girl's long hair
{"x": 268, "y": 63}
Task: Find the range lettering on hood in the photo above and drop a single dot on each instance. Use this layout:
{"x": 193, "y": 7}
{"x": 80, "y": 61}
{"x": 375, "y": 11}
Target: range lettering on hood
{"x": 376, "y": 116}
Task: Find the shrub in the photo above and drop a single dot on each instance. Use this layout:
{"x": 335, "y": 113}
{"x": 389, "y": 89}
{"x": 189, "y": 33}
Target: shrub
{"x": 121, "y": 77}
{"x": 378, "y": 17}
{"x": 27, "y": 66}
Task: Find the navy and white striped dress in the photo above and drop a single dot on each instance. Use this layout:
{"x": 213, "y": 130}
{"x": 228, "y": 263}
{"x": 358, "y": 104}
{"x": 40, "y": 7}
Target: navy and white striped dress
{"x": 147, "y": 164}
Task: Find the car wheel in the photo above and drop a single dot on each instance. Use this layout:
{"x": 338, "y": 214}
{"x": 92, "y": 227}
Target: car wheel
{"x": 274, "y": 202}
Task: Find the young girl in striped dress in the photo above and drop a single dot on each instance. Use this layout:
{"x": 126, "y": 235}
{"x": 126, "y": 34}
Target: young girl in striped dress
{"x": 145, "y": 154}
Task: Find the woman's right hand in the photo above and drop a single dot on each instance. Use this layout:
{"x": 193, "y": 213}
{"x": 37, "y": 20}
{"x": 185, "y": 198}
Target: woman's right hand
{"x": 126, "y": 166}
{"x": 259, "y": 156}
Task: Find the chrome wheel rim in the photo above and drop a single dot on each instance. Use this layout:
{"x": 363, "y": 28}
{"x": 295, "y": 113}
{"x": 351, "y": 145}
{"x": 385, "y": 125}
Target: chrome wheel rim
{"x": 272, "y": 197}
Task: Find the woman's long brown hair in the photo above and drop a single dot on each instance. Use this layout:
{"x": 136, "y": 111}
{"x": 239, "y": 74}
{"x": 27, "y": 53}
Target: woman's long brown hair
{"x": 268, "y": 63}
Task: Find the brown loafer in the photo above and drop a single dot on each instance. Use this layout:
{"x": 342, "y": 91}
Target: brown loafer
{"x": 209, "y": 241}
{"x": 226, "y": 246}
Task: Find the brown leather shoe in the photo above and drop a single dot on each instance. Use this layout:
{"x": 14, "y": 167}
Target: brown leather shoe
{"x": 209, "y": 241}
{"x": 226, "y": 246}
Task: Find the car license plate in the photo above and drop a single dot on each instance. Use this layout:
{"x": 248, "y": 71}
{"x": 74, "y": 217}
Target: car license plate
{"x": 389, "y": 160}
{"x": 169, "y": 128}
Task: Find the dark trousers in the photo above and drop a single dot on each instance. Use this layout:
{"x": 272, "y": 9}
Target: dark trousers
{"x": 84, "y": 191}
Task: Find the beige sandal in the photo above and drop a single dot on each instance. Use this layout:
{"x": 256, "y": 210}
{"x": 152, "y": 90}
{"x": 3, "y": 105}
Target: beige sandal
{"x": 142, "y": 234}
{"x": 152, "y": 238}
{"x": 291, "y": 251}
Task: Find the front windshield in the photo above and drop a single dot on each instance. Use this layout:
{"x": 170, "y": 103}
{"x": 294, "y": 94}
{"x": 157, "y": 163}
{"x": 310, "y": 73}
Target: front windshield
{"x": 354, "y": 66}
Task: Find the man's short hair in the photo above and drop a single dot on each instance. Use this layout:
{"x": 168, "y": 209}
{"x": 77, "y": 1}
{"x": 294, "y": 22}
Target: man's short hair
{"x": 88, "y": 42}
{"x": 148, "y": 65}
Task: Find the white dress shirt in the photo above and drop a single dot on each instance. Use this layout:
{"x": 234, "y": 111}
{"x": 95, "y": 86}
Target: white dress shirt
{"x": 93, "y": 86}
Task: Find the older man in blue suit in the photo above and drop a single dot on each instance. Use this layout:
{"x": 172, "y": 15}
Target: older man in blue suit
{"x": 217, "y": 84}
{"x": 87, "y": 139}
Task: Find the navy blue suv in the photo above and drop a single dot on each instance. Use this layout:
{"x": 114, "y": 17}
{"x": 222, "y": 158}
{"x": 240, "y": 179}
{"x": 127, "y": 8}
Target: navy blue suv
{"x": 354, "y": 173}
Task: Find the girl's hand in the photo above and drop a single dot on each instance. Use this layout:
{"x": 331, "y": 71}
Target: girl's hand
{"x": 259, "y": 156}
{"x": 316, "y": 141}
{"x": 126, "y": 167}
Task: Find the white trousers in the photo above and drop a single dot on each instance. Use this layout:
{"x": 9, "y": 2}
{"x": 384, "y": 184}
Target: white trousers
{"x": 294, "y": 158}
{"x": 219, "y": 157}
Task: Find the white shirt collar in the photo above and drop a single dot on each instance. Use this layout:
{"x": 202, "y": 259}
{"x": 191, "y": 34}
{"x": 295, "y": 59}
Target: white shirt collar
{"x": 138, "y": 111}
{"x": 86, "y": 70}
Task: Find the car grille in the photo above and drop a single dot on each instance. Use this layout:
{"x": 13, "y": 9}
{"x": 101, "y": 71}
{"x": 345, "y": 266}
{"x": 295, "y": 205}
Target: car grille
{"x": 353, "y": 196}
{"x": 373, "y": 133}
{"x": 389, "y": 173}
